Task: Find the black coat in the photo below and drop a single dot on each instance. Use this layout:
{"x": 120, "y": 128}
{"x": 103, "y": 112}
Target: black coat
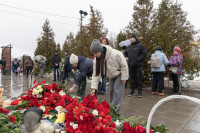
{"x": 85, "y": 67}
{"x": 3, "y": 62}
{"x": 136, "y": 53}
{"x": 56, "y": 60}
{"x": 68, "y": 66}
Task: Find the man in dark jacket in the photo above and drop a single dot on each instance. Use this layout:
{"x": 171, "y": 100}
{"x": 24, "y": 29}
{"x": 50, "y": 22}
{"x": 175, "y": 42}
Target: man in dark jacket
{"x": 68, "y": 66}
{"x": 85, "y": 67}
{"x": 15, "y": 65}
{"x": 135, "y": 55}
{"x": 56, "y": 61}
{"x": 3, "y": 66}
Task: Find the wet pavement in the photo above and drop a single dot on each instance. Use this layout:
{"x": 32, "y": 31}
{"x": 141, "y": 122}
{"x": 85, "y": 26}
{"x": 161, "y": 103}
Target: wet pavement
{"x": 179, "y": 116}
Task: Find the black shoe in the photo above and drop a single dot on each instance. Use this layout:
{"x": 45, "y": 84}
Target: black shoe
{"x": 102, "y": 93}
{"x": 140, "y": 94}
{"x": 54, "y": 80}
{"x": 98, "y": 92}
{"x": 132, "y": 93}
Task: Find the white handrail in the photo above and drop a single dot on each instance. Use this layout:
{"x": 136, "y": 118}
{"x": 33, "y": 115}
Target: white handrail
{"x": 196, "y": 100}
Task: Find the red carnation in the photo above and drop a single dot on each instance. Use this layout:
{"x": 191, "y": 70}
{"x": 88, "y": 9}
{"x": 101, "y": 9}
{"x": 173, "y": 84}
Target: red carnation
{"x": 5, "y": 111}
{"x": 54, "y": 101}
{"x": 20, "y": 109}
{"x": 15, "y": 102}
{"x": 26, "y": 107}
{"x": 34, "y": 81}
{"x": 12, "y": 118}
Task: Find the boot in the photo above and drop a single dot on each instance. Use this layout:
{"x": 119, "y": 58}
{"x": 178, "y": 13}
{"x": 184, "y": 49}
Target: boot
{"x": 132, "y": 93}
{"x": 140, "y": 93}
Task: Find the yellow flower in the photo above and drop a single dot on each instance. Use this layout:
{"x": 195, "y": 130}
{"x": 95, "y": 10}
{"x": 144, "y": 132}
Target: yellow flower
{"x": 61, "y": 118}
{"x": 20, "y": 102}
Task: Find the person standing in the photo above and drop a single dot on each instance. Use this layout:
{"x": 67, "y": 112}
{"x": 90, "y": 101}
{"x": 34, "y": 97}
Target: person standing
{"x": 41, "y": 66}
{"x": 135, "y": 55}
{"x": 85, "y": 67}
{"x": 62, "y": 71}
{"x": 15, "y": 65}
{"x": 175, "y": 69}
{"x": 102, "y": 85}
{"x": 68, "y": 66}
{"x": 158, "y": 62}
{"x": 3, "y": 65}
{"x": 29, "y": 66}
{"x": 56, "y": 61}
{"x": 112, "y": 64}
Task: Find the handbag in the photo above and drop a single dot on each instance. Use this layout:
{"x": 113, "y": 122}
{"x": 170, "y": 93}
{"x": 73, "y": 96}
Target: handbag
{"x": 173, "y": 69}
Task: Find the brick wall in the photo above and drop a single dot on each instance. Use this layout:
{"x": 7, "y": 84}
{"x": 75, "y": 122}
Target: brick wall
{"x": 7, "y": 54}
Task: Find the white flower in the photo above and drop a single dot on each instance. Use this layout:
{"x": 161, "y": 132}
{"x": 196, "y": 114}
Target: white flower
{"x": 62, "y": 93}
{"x": 71, "y": 123}
{"x": 33, "y": 91}
{"x": 81, "y": 117}
{"x": 58, "y": 108}
{"x": 40, "y": 90}
{"x": 37, "y": 92}
{"x": 75, "y": 126}
{"x": 39, "y": 87}
{"x": 95, "y": 112}
{"x": 117, "y": 123}
{"x": 42, "y": 108}
{"x": 52, "y": 91}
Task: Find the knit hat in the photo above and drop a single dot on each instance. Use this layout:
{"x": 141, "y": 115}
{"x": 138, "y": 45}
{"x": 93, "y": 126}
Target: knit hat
{"x": 67, "y": 51}
{"x": 158, "y": 48}
{"x": 96, "y": 46}
{"x": 132, "y": 35}
{"x": 177, "y": 49}
{"x": 73, "y": 59}
{"x": 63, "y": 59}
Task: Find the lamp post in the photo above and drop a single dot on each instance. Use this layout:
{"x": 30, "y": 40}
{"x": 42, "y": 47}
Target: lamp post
{"x": 82, "y": 15}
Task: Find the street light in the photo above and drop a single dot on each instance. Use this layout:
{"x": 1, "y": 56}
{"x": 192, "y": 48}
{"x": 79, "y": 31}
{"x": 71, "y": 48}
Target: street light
{"x": 82, "y": 14}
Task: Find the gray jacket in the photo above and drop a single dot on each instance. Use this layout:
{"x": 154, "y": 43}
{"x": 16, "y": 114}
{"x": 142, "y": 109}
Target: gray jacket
{"x": 163, "y": 60}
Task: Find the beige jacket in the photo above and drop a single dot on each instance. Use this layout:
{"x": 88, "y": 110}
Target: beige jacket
{"x": 116, "y": 65}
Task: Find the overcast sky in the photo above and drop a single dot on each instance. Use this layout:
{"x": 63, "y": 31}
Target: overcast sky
{"x": 22, "y": 32}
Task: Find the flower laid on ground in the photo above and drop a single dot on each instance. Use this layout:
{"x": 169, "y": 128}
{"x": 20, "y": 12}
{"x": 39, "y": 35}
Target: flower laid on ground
{"x": 5, "y": 111}
{"x": 15, "y": 102}
{"x": 12, "y": 118}
{"x": 95, "y": 112}
{"x": 117, "y": 123}
{"x": 88, "y": 115}
{"x": 37, "y": 91}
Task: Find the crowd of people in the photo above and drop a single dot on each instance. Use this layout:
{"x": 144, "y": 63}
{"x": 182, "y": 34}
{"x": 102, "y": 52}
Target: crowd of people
{"x": 117, "y": 66}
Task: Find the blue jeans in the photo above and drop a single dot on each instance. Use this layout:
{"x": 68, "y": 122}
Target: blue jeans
{"x": 68, "y": 75}
{"x": 102, "y": 86}
{"x": 54, "y": 73}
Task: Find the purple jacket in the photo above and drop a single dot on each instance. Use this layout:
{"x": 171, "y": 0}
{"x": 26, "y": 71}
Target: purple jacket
{"x": 176, "y": 60}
